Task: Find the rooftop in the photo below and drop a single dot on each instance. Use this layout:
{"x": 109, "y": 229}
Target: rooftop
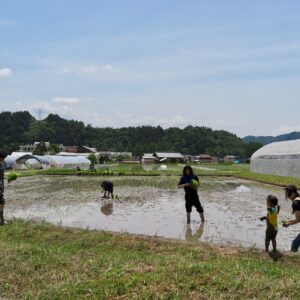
{"x": 168, "y": 154}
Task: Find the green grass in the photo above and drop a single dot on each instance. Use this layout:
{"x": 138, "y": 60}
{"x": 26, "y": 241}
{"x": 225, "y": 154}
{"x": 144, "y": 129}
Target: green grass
{"x": 235, "y": 170}
{"x": 40, "y": 261}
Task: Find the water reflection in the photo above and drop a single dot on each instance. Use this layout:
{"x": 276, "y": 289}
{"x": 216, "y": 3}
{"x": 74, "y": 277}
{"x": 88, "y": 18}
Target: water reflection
{"x": 107, "y": 209}
{"x": 196, "y": 236}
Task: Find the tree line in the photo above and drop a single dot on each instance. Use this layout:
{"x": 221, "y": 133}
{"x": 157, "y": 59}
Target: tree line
{"x": 22, "y": 128}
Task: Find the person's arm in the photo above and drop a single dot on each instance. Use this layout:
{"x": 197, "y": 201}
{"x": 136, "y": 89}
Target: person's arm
{"x": 1, "y": 190}
{"x": 182, "y": 185}
{"x": 293, "y": 222}
{"x": 265, "y": 218}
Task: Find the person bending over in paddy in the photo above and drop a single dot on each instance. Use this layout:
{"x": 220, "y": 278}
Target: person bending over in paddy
{"x": 107, "y": 189}
{"x": 2, "y": 200}
{"x": 189, "y": 182}
{"x": 291, "y": 193}
{"x": 272, "y": 228}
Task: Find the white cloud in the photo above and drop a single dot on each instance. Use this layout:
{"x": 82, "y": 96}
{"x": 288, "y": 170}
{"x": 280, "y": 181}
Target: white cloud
{"x": 65, "y": 100}
{"x": 43, "y": 106}
{"x": 107, "y": 68}
{"x": 173, "y": 121}
{"x": 63, "y": 106}
{"x": 63, "y": 71}
{"x": 90, "y": 69}
{"x": 127, "y": 119}
{"x": 282, "y": 129}
{"x": 5, "y": 73}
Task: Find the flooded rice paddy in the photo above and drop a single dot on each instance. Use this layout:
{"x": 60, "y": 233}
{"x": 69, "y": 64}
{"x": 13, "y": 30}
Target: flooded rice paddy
{"x": 152, "y": 206}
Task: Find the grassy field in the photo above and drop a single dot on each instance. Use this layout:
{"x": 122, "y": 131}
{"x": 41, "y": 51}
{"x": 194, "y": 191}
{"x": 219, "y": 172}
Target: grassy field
{"x": 236, "y": 170}
{"x": 40, "y": 261}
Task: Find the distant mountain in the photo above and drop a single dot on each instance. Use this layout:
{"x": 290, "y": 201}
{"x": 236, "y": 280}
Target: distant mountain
{"x": 271, "y": 139}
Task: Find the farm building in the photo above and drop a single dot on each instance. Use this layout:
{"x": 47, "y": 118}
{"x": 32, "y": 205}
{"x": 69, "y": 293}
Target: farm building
{"x": 281, "y": 158}
{"x": 31, "y": 147}
{"x": 206, "y": 158}
{"x": 148, "y": 158}
{"x": 131, "y": 160}
{"x": 231, "y": 159}
{"x": 167, "y": 157}
{"x": 80, "y": 149}
{"x": 111, "y": 155}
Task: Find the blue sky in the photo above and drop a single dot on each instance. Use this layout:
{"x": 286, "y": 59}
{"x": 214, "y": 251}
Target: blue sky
{"x": 232, "y": 65}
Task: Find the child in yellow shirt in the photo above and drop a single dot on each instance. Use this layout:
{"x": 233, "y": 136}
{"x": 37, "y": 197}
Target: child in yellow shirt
{"x": 272, "y": 224}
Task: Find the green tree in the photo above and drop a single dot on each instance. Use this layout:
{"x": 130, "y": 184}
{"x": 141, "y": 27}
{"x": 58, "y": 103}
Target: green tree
{"x": 92, "y": 157}
{"x": 54, "y": 148}
{"x": 20, "y": 128}
{"x": 40, "y": 149}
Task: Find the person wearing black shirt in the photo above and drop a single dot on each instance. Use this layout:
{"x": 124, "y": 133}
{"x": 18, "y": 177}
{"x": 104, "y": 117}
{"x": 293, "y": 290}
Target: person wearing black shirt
{"x": 2, "y": 200}
{"x": 191, "y": 193}
{"x": 107, "y": 189}
{"x": 291, "y": 193}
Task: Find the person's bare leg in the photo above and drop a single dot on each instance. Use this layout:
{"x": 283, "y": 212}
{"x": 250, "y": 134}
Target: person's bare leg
{"x": 267, "y": 245}
{"x": 274, "y": 243}
{"x": 202, "y": 217}
{"x": 1, "y": 214}
{"x": 188, "y": 218}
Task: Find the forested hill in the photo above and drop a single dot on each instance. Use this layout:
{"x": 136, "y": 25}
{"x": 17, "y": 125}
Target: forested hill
{"x": 22, "y": 128}
{"x": 271, "y": 139}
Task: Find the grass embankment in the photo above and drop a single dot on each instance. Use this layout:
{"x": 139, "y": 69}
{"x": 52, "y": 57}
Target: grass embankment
{"x": 40, "y": 261}
{"x": 221, "y": 170}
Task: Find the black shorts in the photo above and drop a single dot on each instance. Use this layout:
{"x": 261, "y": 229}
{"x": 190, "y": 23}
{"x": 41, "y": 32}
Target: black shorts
{"x": 190, "y": 202}
{"x": 2, "y": 201}
{"x": 271, "y": 233}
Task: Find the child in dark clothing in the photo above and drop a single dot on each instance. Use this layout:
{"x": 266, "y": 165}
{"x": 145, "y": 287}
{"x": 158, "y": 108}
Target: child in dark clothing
{"x": 191, "y": 195}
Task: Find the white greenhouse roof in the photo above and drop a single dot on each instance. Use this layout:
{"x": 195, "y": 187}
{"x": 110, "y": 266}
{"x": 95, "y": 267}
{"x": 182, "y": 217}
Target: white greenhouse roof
{"x": 287, "y": 148}
{"x": 70, "y": 159}
{"x": 168, "y": 155}
{"x": 73, "y": 154}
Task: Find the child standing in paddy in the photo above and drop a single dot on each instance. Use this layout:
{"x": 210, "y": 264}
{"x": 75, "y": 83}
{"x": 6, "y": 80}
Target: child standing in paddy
{"x": 191, "y": 193}
{"x": 272, "y": 228}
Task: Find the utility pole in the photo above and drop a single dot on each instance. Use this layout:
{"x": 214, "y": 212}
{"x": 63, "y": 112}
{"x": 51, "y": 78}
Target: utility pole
{"x": 40, "y": 113}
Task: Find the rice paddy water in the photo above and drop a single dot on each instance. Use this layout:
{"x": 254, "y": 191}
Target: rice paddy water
{"x": 152, "y": 206}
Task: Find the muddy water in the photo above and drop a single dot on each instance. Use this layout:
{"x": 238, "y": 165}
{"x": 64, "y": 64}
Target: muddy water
{"x": 232, "y": 208}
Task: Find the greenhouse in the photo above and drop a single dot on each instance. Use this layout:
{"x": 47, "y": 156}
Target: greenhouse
{"x": 281, "y": 158}
{"x": 69, "y": 162}
{"x": 24, "y": 161}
